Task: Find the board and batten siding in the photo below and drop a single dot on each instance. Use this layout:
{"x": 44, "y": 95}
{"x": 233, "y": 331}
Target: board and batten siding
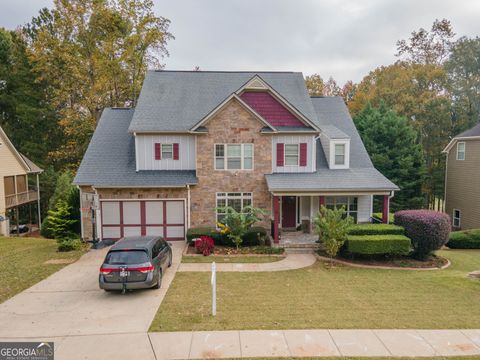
{"x": 294, "y": 139}
{"x": 145, "y": 152}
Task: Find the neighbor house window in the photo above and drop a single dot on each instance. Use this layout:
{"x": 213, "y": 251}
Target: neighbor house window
{"x": 461, "y": 151}
{"x": 456, "y": 218}
{"x": 339, "y": 154}
{"x": 234, "y": 156}
{"x": 291, "y": 154}
{"x": 350, "y": 203}
{"x": 167, "y": 151}
{"x": 236, "y": 200}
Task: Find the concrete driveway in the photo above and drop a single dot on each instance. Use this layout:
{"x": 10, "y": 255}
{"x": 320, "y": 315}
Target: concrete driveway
{"x": 70, "y": 309}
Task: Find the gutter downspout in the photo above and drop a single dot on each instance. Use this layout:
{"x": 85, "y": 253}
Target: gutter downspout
{"x": 445, "y": 186}
{"x": 82, "y": 234}
{"x": 392, "y": 194}
{"x": 188, "y": 206}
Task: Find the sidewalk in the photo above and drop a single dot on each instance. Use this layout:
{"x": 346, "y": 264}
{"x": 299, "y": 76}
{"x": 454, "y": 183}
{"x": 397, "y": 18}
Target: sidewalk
{"x": 310, "y": 343}
{"x": 291, "y": 262}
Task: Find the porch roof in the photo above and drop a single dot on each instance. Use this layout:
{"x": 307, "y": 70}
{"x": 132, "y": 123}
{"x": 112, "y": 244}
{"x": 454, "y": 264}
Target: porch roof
{"x": 326, "y": 180}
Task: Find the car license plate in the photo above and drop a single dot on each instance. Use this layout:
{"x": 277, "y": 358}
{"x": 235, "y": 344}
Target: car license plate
{"x": 124, "y": 273}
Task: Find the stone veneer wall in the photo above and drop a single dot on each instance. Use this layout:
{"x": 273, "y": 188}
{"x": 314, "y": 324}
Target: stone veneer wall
{"x": 233, "y": 124}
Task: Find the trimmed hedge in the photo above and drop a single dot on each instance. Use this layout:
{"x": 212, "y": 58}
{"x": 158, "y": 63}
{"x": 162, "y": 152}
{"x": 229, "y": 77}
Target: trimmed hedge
{"x": 428, "y": 230}
{"x": 467, "y": 239}
{"x": 376, "y": 229}
{"x": 252, "y": 237}
{"x": 377, "y": 245}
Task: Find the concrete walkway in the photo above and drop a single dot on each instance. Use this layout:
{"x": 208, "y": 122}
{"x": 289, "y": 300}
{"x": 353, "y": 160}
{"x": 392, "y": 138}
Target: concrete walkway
{"x": 291, "y": 262}
{"x": 313, "y": 343}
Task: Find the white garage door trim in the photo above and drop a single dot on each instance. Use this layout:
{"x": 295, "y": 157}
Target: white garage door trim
{"x": 115, "y": 225}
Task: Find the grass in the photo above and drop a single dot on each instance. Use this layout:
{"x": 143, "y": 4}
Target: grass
{"x": 22, "y": 263}
{"x": 317, "y": 297}
{"x": 231, "y": 259}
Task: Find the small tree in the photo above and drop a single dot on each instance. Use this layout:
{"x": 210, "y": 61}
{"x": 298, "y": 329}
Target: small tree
{"x": 332, "y": 229}
{"x": 60, "y": 222}
{"x": 235, "y": 224}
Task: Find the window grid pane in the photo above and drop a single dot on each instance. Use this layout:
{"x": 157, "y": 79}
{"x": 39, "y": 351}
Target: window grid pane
{"x": 167, "y": 151}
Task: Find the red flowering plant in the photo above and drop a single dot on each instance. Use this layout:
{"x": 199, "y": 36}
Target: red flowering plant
{"x": 204, "y": 245}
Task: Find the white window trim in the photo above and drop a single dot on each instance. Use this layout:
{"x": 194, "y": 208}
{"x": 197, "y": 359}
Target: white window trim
{"x": 332, "y": 164}
{"x": 161, "y": 151}
{"x": 459, "y": 218}
{"x": 285, "y": 154}
{"x": 464, "y": 150}
{"x": 350, "y": 199}
{"x": 225, "y": 157}
{"x": 226, "y": 197}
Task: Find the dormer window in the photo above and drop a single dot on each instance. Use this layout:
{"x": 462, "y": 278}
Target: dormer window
{"x": 167, "y": 151}
{"x": 339, "y": 154}
{"x": 291, "y": 154}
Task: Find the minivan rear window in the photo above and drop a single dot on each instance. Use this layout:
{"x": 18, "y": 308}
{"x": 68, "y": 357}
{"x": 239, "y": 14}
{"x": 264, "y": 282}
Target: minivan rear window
{"x": 126, "y": 257}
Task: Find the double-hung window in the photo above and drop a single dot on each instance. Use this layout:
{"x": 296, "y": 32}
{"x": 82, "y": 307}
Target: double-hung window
{"x": 349, "y": 203}
{"x": 339, "y": 154}
{"x": 456, "y": 218}
{"x": 461, "y": 151}
{"x": 234, "y": 156}
{"x": 238, "y": 201}
{"x": 291, "y": 154}
{"x": 167, "y": 151}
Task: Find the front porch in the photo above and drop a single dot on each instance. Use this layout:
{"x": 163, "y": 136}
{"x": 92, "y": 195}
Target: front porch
{"x": 293, "y": 214}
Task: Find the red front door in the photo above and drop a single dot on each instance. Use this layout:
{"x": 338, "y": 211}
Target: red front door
{"x": 289, "y": 209}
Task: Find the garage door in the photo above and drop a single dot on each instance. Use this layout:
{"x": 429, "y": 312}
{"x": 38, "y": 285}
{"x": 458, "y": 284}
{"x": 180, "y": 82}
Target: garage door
{"x": 146, "y": 217}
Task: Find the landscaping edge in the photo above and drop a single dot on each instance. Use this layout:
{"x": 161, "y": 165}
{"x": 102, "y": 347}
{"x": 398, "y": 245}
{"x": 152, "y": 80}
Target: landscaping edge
{"x": 344, "y": 262}
{"x": 185, "y": 253}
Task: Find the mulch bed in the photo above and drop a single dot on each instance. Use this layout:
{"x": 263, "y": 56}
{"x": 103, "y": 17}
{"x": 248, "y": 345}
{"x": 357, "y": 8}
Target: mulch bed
{"x": 225, "y": 250}
{"x": 434, "y": 262}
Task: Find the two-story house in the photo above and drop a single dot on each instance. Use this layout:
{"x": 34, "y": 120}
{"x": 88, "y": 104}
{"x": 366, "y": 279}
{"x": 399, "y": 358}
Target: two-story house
{"x": 462, "y": 179}
{"x": 16, "y": 172}
{"x": 199, "y": 140}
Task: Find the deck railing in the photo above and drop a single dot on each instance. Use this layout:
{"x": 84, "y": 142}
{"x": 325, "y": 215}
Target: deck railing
{"x": 20, "y": 198}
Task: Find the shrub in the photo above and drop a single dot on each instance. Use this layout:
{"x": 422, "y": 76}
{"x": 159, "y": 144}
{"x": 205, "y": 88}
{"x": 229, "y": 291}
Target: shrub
{"x": 377, "y": 245}
{"x": 204, "y": 245}
{"x": 69, "y": 244}
{"x": 59, "y": 222}
{"x": 467, "y": 239}
{"x": 256, "y": 236}
{"x": 46, "y": 228}
{"x": 375, "y": 229}
{"x": 196, "y": 232}
{"x": 427, "y": 229}
{"x": 332, "y": 227}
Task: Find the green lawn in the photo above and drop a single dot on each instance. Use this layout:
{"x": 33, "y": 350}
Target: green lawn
{"x": 231, "y": 259}
{"x": 22, "y": 263}
{"x": 316, "y": 297}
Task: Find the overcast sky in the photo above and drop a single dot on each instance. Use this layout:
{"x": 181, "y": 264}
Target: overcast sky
{"x": 344, "y": 39}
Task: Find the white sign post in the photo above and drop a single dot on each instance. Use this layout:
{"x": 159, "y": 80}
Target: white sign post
{"x": 214, "y": 289}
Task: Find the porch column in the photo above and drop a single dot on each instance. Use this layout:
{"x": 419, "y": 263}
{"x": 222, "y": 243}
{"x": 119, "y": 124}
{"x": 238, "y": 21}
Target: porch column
{"x": 276, "y": 218}
{"x": 38, "y": 204}
{"x": 386, "y": 209}
{"x": 321, "y": 201}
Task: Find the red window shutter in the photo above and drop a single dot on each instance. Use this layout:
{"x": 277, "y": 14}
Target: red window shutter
{"x": 303, "y": 154}
{"x": 175, "y": 151}
{"x": 280, "y": 152}
{"x": 158, "y": 151}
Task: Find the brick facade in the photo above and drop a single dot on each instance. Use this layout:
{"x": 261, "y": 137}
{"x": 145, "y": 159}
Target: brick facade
{"x": 233, "y": 124}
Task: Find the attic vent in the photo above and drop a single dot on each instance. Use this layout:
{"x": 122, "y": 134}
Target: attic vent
{"x": 256, "y": 85}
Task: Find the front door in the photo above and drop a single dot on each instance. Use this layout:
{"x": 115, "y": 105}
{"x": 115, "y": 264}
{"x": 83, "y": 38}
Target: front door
{"x": 289, "y": 209}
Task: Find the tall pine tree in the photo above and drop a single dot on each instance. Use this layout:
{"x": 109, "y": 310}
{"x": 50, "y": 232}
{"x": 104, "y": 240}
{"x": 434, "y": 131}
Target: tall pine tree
{"x": 393, "y": 148}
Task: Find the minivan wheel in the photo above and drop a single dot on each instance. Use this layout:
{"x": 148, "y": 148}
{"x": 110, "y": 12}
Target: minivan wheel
{"x": 159, "y": 281}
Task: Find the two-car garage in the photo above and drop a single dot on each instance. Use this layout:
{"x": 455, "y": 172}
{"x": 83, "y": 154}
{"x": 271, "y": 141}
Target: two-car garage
{"x": 121, "y": 218}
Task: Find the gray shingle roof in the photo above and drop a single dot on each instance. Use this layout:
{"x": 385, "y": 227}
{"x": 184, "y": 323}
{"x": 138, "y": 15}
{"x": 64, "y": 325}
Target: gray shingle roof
{"x": 110, "y": 158}
{"x": 333, "y": 132}
{"x": 362, "y": 176}
{"x": 34, "y": 168}
{"x": 474, "y": 131}
{"x": 177, "y": 100}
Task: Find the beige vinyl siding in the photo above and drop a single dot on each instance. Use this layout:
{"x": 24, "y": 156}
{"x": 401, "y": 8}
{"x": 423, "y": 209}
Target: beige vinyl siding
{"x": 463, "y": 184}
{"x": 10, "y": 165}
